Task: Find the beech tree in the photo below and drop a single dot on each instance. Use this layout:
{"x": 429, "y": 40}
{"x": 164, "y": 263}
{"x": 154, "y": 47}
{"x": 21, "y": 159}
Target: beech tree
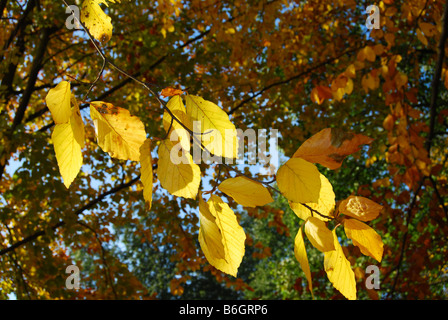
{"x": 118, "y": 114}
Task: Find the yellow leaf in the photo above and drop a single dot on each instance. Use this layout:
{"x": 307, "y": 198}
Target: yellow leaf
{"x": 246, "y": 192}
{"x": 364, "y": 237}
{"x": 210, "y": 237}
{"x": 58, "y": 102}
{"x": 222, "y": 238}
{"x": 77, "y": 123}
{"x": 177, "y": 131}
{"x": 118, "y": 132}
{"x": 146, "y": 171}
{"x": 68, "y": 151}
{"x": 318, "y": 234}
{"x": 178, "y": 174}
{"x": 220, "y": 134}
{"x": 301, "y": 256}
{"x": 339, "y": 271}
{"x": 299, "y": 181}
{"x": 94, "y": 18}
{"x": 325, "y": 204}
{"x": 68, "y": 140}
{"x": 360, "y": 208}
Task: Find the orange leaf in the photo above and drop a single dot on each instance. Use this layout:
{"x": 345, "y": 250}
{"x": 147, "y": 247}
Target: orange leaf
{"x": 320, "y": 93}
{"x": 169, "y": 92}
{"x": 330, "y": 146}
{"x": 360, "y": 208}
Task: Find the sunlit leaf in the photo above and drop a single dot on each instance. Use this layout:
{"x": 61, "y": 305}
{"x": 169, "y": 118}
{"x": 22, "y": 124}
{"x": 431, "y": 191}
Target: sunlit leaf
{"x": 177, "y": 172}
{"x": 325, "y": 204}
{"x": 299, "y": 181}
{"x": 302, "y": 258}
{"x": 219, "y": 133}
{"x": 330, "y": 146}
{"x": 318, "y": 234}
{"x": 221, "y": 238}
{"x": 364, "y": 237}
{"x": 339, "y": 271}
{"x": 175, "y": 130}
{"x": 146, "y": 171}
{"x": 246, "y": 192}
{"x": 94, "y": 18}
{"x": 68, "y": 140}
{"x": 210, "y": 237}
{"x": 360, "y": 208}
{"x": 118, "y": 132}
{"x": 58, "y": 101}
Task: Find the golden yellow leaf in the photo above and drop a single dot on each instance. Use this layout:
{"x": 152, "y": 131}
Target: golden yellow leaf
{"x": 210, "y": 237}
{"x": 299, "y": 181}
{"x": 58, "y": 102}
{"x": 301, "y": 256}
{"x": 177, "y": 131}
{"x": 246, "y": 192}
{"x": 330, "y": 146}
{"x": 94, "y": 18}
{"x": 318, "y": 234}
{"x": 221, "y": 238}
{"x": 360, "y": 208}
{"x": 68, "y": 151}
{"x": 177, "y": 172}
{"x": 68, "y": 140}
{"x": 220, "y": 136}
{"x": 118, "y": 132}
{"x": 325, "y": 204}
{"x": 339, "y": 271}
{"x": 77, "y": 123}
{"x": 364, "y": 237}
{"x": 146, "y": 174}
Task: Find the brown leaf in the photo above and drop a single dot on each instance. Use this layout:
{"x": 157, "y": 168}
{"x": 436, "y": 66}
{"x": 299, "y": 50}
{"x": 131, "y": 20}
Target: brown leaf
{"x": 330, "y": 146}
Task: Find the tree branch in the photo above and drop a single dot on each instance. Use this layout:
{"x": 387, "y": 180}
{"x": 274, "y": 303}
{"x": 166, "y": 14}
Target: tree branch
{"x": 37, "y": 64}
{"x": 89, "y": 205}
{"x": 295, "y": 77}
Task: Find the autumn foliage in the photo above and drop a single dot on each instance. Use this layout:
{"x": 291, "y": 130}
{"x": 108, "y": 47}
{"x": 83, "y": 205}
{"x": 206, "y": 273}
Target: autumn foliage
{"x": 131, "y": 122}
